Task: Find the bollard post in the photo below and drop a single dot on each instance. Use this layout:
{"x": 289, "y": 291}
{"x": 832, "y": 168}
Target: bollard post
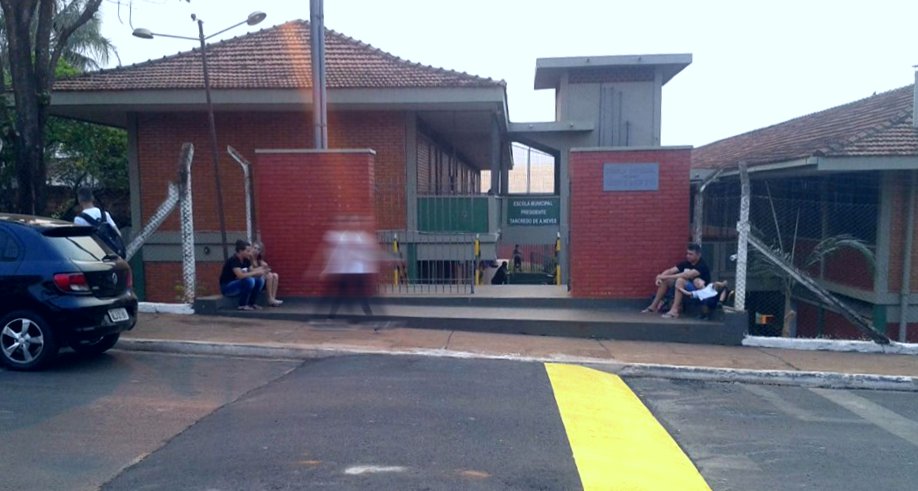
{"x": 477, "y": 254}
{"x": 398, "y": 263}
{"x": 558, "y": 260}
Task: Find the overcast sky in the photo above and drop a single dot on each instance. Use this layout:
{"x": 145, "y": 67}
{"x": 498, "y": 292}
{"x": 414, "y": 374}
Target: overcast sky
{"x": 755, "y": 63}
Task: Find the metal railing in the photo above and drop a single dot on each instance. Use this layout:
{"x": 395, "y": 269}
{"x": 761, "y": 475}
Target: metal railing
{"x": 427, "y": 263}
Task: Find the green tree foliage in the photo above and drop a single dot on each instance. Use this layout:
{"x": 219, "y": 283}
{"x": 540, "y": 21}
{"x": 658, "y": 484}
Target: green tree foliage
{"x": 36, "y": 35}
{"x": 86, "y": 154}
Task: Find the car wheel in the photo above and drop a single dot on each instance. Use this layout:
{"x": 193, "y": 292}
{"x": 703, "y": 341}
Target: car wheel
{"x": 26, "y": 341}
{"x": 95, "y": 346}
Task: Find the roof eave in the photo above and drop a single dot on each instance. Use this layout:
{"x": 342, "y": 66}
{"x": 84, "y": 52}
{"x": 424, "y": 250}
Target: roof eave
{"x": 867, "y": 163}
{"x": 549, "y": 70}
{"x": 111, "y": 107}
{"x": 863, "y": 163}
{"x": 798, "y": 163}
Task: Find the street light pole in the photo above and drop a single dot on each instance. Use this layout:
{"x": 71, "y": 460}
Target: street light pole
{"x": 319, "y": 94}
{"x": 252, "y": 19}
{"x": 215, "y": 152}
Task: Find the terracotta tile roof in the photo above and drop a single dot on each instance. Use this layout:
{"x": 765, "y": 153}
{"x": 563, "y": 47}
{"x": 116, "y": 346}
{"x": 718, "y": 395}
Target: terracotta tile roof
{"x": 276, "y": 58}
{"x": 880, "y": 125}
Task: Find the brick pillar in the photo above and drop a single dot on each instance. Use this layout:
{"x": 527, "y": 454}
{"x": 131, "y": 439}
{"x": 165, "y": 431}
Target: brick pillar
{"x": 625, "y": 230}
{"x": 297, "y": 194}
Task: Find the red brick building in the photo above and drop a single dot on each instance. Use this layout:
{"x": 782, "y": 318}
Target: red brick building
{"x": 418, "y": 136}
{"x": 846, "y": 171}
{"x": 430, "y": 130}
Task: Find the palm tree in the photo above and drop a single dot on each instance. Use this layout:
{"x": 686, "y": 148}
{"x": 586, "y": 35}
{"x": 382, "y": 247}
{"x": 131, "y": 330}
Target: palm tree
{"x": 83, "y": 50}
{"x": 86, "y": 49}
{"x": 820, "y": 252}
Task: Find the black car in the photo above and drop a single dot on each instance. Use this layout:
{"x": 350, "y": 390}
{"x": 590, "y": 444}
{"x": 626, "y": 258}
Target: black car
{"x": 60, "y": 285}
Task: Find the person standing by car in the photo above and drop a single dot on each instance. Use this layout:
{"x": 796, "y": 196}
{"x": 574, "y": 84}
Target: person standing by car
{"x": 240, "y": 278}
{"x": 92, "y": 216}
{"x": 88, "y": 206}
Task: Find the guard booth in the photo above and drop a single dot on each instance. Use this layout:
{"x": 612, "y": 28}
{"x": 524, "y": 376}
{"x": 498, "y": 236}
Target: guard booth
{"x": 604, "y": 145}
{"x": 622, "y": 197}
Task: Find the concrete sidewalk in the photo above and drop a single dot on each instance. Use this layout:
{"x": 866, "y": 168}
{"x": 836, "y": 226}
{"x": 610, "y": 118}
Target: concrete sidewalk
{"x": 238, "y": 336}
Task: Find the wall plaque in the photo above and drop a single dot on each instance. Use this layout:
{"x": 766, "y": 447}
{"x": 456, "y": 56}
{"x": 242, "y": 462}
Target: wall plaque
{"x": 631, "y": 177}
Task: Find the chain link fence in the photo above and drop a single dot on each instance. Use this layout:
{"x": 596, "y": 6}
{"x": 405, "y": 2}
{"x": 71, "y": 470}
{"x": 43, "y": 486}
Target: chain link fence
{"x": 829, "y": 227}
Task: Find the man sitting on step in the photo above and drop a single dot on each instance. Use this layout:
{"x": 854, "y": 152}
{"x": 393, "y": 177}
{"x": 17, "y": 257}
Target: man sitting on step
{"x": 239, "y": 277}
{"x": 681, "y": 277}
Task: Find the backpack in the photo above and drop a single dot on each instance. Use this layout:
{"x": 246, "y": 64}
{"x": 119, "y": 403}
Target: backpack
{"x": 106, "y": 232}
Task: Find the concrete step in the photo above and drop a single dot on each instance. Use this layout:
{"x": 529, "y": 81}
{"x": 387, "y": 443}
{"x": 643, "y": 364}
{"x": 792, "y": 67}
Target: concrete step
{"x": 579, "y": 318}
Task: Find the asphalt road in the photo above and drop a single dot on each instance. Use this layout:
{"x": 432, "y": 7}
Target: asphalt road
{"x": 376, "y": 422}
{"x": 744, "y": 437}
{"x": 143, "y": 421}
{"x": 80, "y": 423}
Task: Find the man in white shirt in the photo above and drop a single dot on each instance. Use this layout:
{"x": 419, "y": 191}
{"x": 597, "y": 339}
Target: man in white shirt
{"x": 88, "y": 206}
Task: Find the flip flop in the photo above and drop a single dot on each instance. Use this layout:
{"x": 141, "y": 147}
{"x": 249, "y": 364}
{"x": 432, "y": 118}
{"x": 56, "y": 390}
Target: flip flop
{"x": 670, "y": 315}
{"x": 244, "y": 307}
{"x": 649, "y": 310}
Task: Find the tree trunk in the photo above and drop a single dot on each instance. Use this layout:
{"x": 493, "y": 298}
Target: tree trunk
{"x": 30, "y": 167}
{"x": 789, "y": 326}
{"x": 30, "y": 162}
{"x": 25, "y": 94}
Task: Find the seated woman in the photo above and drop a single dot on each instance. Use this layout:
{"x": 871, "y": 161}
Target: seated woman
{"x": 271, "y": 278}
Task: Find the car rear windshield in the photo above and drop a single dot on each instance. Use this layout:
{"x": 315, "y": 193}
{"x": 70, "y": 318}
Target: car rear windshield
{"x": 79, "y": 246}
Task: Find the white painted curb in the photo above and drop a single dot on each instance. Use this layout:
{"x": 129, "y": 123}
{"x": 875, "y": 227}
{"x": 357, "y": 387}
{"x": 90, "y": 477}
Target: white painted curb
{"x": 829, "y": 380}
{"x": 831, "y": 345}
{"x": 165, "y": 308}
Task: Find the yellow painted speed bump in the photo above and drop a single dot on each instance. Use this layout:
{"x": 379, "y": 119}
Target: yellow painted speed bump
{"x": 616, "y": 441}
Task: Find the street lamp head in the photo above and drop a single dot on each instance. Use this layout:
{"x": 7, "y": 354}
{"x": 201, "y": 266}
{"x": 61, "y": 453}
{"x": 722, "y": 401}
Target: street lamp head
{"x": 142, "y": 33}
{"x": 255, "y": 18}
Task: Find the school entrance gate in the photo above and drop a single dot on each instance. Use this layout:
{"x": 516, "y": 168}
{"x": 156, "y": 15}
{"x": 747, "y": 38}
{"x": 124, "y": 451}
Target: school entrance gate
{"x": 441, "y": 257}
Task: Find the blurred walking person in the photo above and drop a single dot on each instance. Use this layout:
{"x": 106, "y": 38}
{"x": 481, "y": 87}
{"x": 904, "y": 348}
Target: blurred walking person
{"x": 352, "y": 263}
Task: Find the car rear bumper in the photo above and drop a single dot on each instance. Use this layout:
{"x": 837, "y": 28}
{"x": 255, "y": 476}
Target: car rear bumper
{"x": 76, "y": 317}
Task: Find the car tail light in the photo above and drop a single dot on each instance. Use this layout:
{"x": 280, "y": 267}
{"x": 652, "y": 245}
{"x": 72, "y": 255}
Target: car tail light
{"x": 130, "y": 279}
{"x": 71, "y": 282}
